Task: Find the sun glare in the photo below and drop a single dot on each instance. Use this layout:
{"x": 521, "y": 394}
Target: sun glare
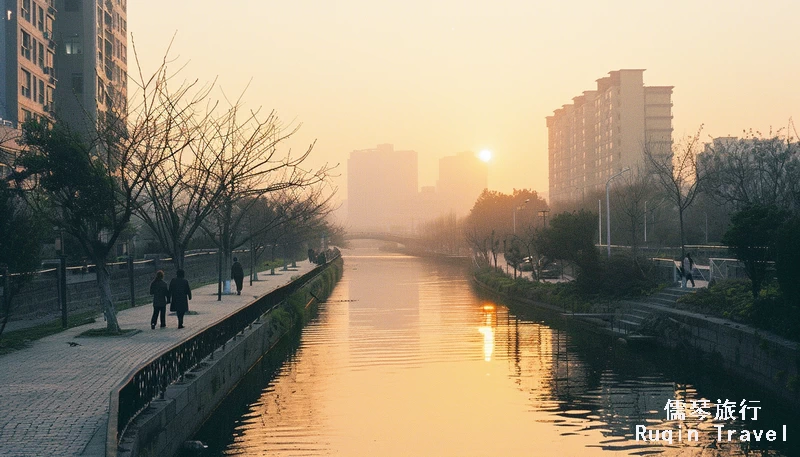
{"x": 485, "y": 155}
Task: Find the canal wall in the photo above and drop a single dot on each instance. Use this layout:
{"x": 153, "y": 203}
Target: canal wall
{"x": 167, "y": 423}
{"x": 767, "y": 361}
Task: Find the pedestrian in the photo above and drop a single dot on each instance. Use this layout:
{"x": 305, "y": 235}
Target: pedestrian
{"x": 180, "y": 294}
{"x": 160, "y": 292}
{"x": 237, "y": 273}
{"x": 688, "y": 265}
{"x": 311, "y": 255}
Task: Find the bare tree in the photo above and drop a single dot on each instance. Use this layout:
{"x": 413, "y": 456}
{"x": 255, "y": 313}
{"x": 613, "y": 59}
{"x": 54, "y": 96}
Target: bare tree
{"x": 632, "y": 201}
{"x": 89, "y": 184}
{"x": 755, "y": 170}
{"x": 182, "y": 192}
{"x": 678, "y": 174}
{"x": 249, "y": 166}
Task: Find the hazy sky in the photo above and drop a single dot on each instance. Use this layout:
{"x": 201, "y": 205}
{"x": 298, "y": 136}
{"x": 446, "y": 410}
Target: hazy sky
{"x": 445, "y": 76}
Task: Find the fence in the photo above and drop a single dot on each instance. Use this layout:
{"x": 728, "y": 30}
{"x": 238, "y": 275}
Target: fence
{"x": 725, "y": 269}
{"x": 151, "y": 380}
{"x": 39, "y": 298}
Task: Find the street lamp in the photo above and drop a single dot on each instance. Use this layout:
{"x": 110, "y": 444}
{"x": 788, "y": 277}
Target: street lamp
{"x": 608, "y": 210}
{"x": 515, "y": 213}
{"x": 543, "y": 213}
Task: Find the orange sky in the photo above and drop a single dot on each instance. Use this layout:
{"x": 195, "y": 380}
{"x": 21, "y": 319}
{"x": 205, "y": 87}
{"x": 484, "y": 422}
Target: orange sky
{"x": 445, "y": 76}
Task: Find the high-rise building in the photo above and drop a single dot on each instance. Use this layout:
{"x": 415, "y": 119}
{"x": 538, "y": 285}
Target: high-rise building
{"x": 91, "y": 62}
{"x": 382, "y": 189}
{"x": 63, "y": 58}
{"x": 462, "y": 178}
{"x": 27, "y": 53}
{"x": 605, "y": 130}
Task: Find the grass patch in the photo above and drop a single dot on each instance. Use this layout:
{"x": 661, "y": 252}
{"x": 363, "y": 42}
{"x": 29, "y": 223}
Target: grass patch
{"x": 20, "y": 339}
{"x": 103, "y": 332}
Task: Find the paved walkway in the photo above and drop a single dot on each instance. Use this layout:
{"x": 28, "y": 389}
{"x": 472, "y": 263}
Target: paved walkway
{"x": 54, "y": 396}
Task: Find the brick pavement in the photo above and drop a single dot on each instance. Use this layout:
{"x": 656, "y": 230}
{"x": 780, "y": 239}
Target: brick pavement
{"x": 54, "y": 397}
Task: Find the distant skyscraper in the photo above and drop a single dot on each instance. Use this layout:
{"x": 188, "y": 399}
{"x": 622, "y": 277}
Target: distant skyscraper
{"x": 27, "y": 52}
{"x": 462, "y": 178}
{"x": 382, "y": 189}
{"x": 606, "y": 130}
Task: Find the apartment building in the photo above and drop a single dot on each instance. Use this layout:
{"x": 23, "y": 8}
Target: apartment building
{"x": 91, "y": 63}
{"x": 63, "y": 59}
{"x": 27, "y": 78}
{"x": 605, "y": 130}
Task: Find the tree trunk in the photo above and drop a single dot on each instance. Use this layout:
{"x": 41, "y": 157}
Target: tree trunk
{"x": 104, "y": 287}
{"x": 680, "y": 219}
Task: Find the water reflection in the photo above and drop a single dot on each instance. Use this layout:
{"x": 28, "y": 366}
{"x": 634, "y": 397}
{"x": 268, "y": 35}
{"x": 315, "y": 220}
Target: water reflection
{"x": 487, "y": 330}
{"x": 405, "y": 359}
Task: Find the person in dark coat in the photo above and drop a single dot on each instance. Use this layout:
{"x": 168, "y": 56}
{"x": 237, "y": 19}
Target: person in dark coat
{"x": 180, "y": 294}
{"x": 237, "y": 273}
{"x": 160, "y": 292}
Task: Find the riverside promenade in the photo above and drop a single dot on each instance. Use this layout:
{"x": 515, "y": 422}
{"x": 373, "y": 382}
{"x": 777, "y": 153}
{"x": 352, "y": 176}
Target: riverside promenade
{"x": 54, "y": 395}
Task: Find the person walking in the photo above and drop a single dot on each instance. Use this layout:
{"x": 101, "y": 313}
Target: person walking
{"x": 688, "y": 265}
{"x": 237, "y": 273}
{"x": 180, "y": 294}
{"x": 160, "y": 292}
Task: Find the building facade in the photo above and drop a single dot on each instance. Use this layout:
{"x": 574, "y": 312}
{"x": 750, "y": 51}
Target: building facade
{"x": 382, "y": 189}
{"x": 604, "y": 131}
{"x": 27, "y": 54}
{"x": 63, "y": 59}
{"x": 91, "y": 62}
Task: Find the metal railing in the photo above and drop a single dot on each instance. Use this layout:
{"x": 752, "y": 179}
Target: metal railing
{"x": 151, "y": 380}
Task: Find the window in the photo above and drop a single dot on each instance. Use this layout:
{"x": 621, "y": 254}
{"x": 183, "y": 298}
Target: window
{"x": 77, "y": 83}
{"x": 101, "y": 90}
{"x": 25, "y": 47}
{"x": 26, "y": 10}
{"x": 72, "y": 45}
{"x": 39, "y": 18}
{"x": 40, "y": 55}
{"x": 26, "y": 84}
{"x": 26, "y": 115}
{"x": 40, "y": 98}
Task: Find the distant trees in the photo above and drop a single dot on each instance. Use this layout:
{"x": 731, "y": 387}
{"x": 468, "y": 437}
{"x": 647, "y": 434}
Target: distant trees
{"x": 754, "y": 171}
{"x": 631, "y": 200}
{"x": 497, "y": 216}
{"x": 444, "y": 235}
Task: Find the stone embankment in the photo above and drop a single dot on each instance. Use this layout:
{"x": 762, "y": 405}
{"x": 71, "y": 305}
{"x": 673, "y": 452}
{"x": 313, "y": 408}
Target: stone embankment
{"x": 768, "y": 361}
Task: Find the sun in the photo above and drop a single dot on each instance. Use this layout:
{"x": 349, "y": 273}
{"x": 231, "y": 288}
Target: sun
{"x": 485, "y": 155}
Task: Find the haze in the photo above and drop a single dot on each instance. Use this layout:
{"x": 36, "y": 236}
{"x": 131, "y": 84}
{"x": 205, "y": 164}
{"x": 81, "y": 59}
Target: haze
{"x": 450, "y": 76}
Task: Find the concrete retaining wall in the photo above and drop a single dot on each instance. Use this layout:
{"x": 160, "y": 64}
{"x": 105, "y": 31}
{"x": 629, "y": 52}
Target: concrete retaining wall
{"x": 770, "y": 362}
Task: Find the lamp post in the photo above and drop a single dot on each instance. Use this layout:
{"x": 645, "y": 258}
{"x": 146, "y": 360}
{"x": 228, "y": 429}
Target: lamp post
{"x": 543, "y": 213}
{"x": 62, "y": 276}
{"x": 515, "y": 213}
{"x": 608, "y": 209}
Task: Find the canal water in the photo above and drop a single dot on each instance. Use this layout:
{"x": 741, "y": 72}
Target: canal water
{"x": 407, "y": 359}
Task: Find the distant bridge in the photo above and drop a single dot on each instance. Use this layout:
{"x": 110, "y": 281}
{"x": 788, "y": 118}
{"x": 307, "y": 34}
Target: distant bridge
{"x": 404, "y": 239}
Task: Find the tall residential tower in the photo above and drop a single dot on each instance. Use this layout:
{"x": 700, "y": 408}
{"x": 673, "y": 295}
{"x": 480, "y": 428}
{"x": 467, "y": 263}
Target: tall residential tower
{"x": 92, "y": 61}
{"x": 604, "y": 131}
{"x": 27, "y": 80}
